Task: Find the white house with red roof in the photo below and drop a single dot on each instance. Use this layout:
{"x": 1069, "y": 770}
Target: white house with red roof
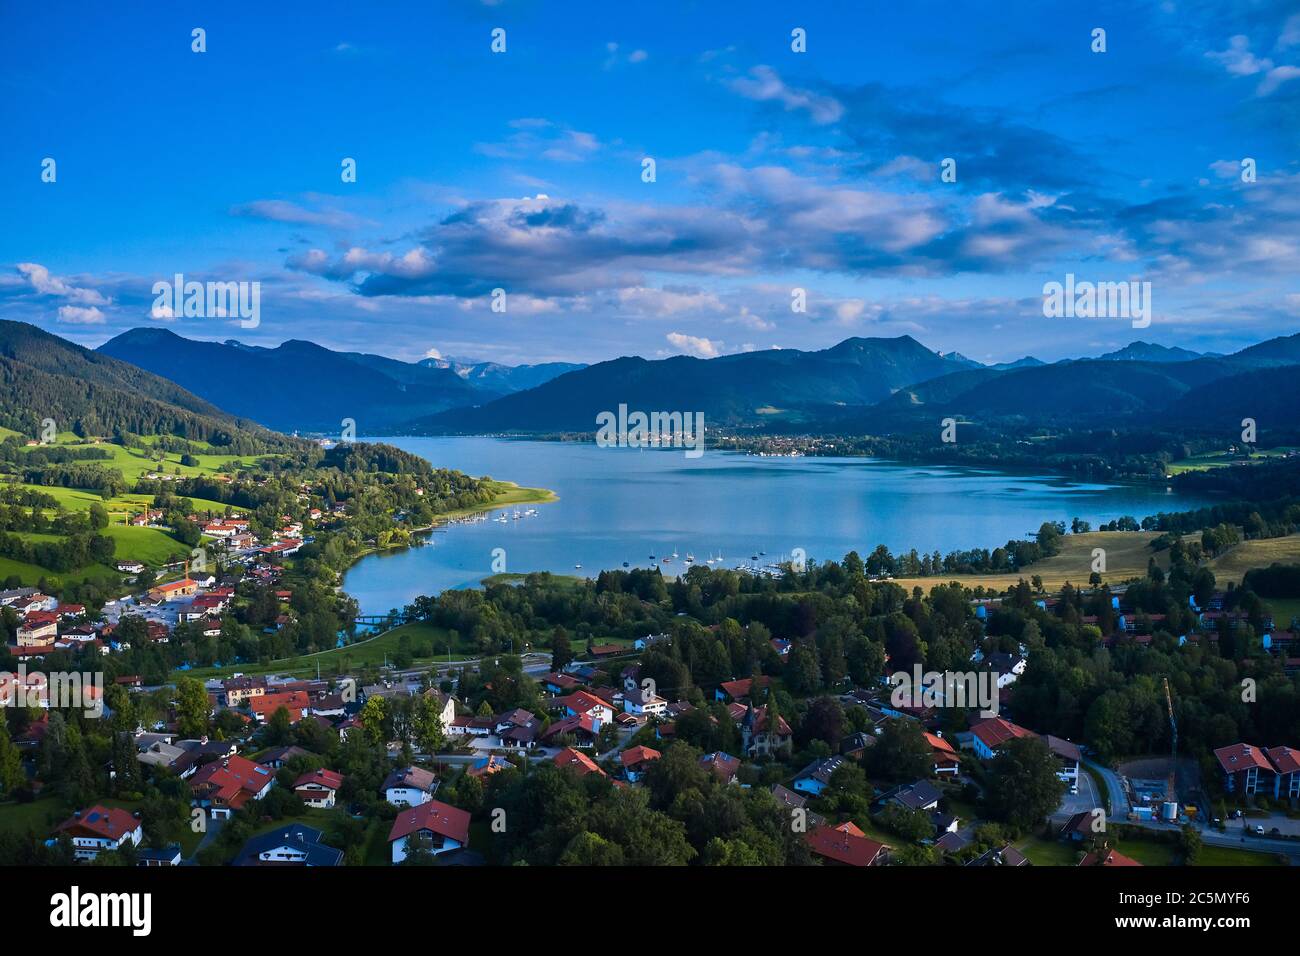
{"x": 582, "y": 702}
{"x": 98, "y": 829}
{"x": 434, "y": 826}
{"x": 946, "y": 759}
{"x": 319, "y": 788}
{"x": 225, "y": 785}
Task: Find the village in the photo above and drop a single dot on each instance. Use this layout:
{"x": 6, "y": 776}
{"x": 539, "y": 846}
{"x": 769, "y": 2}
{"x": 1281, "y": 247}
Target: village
{"x": 600, "y": 718}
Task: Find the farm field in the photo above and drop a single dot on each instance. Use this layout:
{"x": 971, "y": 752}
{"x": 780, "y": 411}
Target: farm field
{"x": 1126, "y": 557}
{"x": 1221, "y": 459}
{"x": 1233, "y": 564}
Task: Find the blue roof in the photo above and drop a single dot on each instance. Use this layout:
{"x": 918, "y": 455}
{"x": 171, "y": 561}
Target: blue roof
{"x": 298, "y": 836}
{"x": 171, "y": 852}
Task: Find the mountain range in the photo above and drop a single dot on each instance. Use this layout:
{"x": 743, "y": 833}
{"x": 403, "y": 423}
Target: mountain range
{"x": 301, "y": 385}
{"x": 866, "y": 385}
{"x": 43, "y": 377}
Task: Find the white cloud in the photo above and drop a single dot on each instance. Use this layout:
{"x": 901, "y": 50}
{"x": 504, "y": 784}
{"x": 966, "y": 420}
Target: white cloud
{"x": 40, "y": 279}
{"x": 78, "y": 315}
{"x": 694, "y": 345}
{"x": 279, "y": 210}
{"x": 765, "y": 85}
{"x": 1237, "y": 58}
{"x": 1275, "y": 78}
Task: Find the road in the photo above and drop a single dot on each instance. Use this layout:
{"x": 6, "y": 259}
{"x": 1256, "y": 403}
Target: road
{"x": 1119, "y": 804}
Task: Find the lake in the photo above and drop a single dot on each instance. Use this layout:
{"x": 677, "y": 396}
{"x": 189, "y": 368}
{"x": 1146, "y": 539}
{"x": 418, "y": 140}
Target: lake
{"x": 623, "y": 504}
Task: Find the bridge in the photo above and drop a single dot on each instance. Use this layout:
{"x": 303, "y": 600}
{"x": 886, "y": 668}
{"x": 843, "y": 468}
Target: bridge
{"x": 379, "y": 620}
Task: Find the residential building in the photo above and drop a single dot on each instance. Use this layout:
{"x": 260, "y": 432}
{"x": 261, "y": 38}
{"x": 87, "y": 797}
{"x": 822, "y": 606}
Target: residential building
{"x": 100, "y": 828}
{"x": 409, "y": 787}
{"x": 319, "y": 788}
{"x": 576, "y": 760}
{"x": 433, "y": 826}
{"x": 1246, "y": 770}
{"x": 845, "y": 845}
{"x": 1068, "y": 759}
{"x": 816, "y": 777}
{"x": 224, "y": 786}
{"x": 294, "y": 845}
{"x": 635, "y": 760}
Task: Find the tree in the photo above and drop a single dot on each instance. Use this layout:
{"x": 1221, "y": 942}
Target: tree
{"x": 824, "y": 721}
{"x": 561, "y": 649}
{"x": 913, "y": 825}
{"x": 373, "y": 719}
{"x": 426, "y": 724}
{"x": 191, "y": 708}
{"x": 279, "y": 729}
{"x": 900, "y": 752}
{"x": 11, "y": 762}
{"x": 589, "y": 849}
{"x": 1023, "y": 787}
{"x": 1190, "y": 840}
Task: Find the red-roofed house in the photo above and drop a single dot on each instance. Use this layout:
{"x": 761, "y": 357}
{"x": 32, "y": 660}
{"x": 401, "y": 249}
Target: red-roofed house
{"x": 991, "y": 733}
{"x": 318, "y": 788}
{"x": 558, "y": 683}
{"x": 38, "y": 629}
{"x": 1108, "y": 857}
{"x": 1246, "y": 769}
{"x": 845, "y": 845}
{"x": 581, "y": 727}
{"x": 945, "y": 758}
{"x": 758, "y": 739}
{"x": 433, "y": 826}
{"x": 739, "y": 689}
{"x": 571, "y": 759}
{"x": 225, "y": 785}
{"x": 635, "y": 760}
{"x": 583, "y": 702}
{"x": 294, "y": 701}
{"x": 174, "y": 589}
{"x": 1286, "y": 763}
{"x": 100, "y": 828}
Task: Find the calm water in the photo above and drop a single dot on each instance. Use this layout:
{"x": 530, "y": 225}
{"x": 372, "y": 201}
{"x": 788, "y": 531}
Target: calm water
{"x": 619, "y": 504}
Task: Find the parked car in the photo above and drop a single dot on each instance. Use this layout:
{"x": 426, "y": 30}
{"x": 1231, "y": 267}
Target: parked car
{"x": 1259, "y": 831}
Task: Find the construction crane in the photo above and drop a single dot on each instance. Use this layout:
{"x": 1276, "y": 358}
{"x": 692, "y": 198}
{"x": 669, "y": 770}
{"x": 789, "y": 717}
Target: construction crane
{"x": 1171, "y": 787}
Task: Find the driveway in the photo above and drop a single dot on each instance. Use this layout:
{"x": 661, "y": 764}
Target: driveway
{"x": 1086, "y": 799}
{"x": 213, "y": 828}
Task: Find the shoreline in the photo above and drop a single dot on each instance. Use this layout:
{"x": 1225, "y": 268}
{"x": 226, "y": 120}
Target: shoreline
{"x": 513, "y": 493}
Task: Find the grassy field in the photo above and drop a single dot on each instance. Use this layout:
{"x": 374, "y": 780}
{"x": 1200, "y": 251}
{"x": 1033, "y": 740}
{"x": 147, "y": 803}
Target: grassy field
{"x": 1219, "y": 459}
{"x": 1043, "y": 852}
{"x": 149, "y": 545}
{"x": 133, "y": 464}
{"x": 1284, "y": 610}
{"x": 1150, "y": 852}
{"x": 40, "y": 815}
{"x": 1126, "y": 557}
{"x": 31, "y": 573}
{"x": 1234, "y": 563}
{"x": 1230, "y": 856}
{"x": 145, "y": 544}
{"x": 371, "y": 652}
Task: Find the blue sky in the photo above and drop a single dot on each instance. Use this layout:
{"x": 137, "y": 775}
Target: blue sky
{"x": 775, "y": 170}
